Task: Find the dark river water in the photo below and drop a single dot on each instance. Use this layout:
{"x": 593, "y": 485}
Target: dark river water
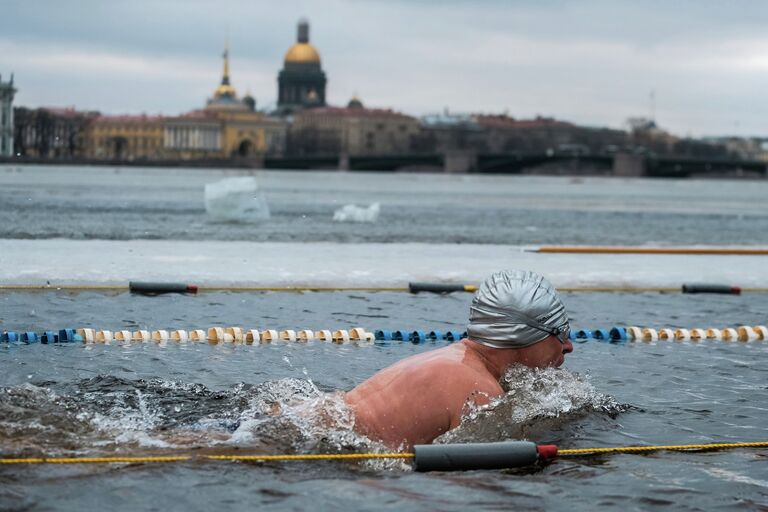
{"x": 148, "y": 399}
{"x": 145, "y": 399}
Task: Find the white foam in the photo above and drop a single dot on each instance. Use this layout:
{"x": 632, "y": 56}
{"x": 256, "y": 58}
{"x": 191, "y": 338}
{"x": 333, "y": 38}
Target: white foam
{"x": 236, "y": 200}
{"x": 535, "y": 398}
{"x": 354, "y": 213}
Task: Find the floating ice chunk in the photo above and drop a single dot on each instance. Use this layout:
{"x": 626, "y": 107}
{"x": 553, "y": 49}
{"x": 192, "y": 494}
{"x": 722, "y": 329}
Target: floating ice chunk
{"x": 235, "y": 200}
{"x": 354, "y": 213}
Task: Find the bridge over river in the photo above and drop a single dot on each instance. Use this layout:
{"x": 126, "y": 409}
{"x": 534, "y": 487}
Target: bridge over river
{"x": 621, "y": 164}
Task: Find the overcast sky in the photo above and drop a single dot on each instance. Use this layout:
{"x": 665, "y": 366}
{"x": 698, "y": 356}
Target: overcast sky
{"x": 592, "y": 62}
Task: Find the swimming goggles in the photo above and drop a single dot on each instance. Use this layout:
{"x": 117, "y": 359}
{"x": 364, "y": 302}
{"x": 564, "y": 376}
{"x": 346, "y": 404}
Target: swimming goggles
{"x": 562, "y": 333}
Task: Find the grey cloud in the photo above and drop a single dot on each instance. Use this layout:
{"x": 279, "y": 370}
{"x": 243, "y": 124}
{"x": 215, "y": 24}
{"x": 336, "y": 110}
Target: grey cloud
{"x": 592, "y": 61}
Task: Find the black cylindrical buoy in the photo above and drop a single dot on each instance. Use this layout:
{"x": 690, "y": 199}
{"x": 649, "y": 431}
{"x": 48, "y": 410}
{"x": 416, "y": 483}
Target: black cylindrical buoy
{"x": 711, "y": 288}
{"x": 469, "y": 456}
{"x": 155, "y": 288}
{"x": 440, "y": 287}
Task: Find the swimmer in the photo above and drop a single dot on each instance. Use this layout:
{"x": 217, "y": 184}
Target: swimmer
{"x": 516, "y": 317}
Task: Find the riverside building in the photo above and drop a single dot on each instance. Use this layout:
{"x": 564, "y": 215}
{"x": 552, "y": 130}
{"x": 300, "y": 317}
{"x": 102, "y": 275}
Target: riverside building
{"x": 50, "y": 132}
{"x": 352, "y": 130}
{"x": 228, "y": 126}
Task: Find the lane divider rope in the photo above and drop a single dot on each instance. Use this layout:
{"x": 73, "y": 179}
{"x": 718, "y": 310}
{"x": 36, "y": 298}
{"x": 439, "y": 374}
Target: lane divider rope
{"x": 671, "y": 447}
{"x": 743, "y": 333}
{"x": 569, "y": 452}
{"x": 301, "y": 289}
{"x": 213, "y": 335}
{"x": 124, "y": 288}
{"x": 361, "y": 336}
{"x": 181, "y": 458}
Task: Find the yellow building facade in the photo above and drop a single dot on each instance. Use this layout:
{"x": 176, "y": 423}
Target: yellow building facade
{"x": 210, "y": 133}
{"x": 228, "y": 127}
{"x": 125, "y": 138}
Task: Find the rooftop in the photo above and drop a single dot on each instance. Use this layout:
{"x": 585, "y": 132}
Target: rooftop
{"x": 354, "y": 112}
{"x": 129, "y": 118}
{"x": 505, "y": 121}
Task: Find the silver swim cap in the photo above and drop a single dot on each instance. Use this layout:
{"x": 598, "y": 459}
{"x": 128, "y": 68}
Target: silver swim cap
{"x": 515, "y": 309}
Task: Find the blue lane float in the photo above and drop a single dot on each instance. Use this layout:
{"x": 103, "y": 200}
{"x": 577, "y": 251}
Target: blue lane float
{"x": 417, "y": 337}
{"x": 401, "y": 335}
{"x": 384, "y": 337}
{"x": 49, "y": 337}
{"x": 454, "y": 336}
{"x": 29, "y": 337}
{"x": 10, "y": 337}
{"x": 618, "y": 334}
{"x": 435, "y": 336}
{"x": 69, "y": 336}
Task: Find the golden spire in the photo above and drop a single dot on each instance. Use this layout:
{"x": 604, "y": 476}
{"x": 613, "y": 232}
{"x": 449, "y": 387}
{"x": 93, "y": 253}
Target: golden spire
{"x": 225, "y": 78}
{"x": 225, "y": 89}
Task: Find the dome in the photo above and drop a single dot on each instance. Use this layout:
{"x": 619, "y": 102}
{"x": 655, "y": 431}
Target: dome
{"x": 249, "y": 101}
{"x": 302, "y": 53}
{"x": 225, "y": 90}
{"x": 355, "y": 102}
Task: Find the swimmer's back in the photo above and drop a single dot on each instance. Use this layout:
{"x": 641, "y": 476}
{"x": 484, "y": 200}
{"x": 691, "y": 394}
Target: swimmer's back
{"x": 421, "y": 397}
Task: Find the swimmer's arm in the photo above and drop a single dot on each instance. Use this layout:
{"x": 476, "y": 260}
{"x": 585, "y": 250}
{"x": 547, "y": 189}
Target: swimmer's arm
{"x": 480, "y": 392}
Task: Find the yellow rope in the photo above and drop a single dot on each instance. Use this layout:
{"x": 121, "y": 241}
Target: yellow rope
{"x": 330, "y": 456}
{"x": 300, "y": 289}
{"x": 653, "y": 250}
{"x": 180, "y": 458}
{"x": 92, "y": 460}
{"x": 293, "y": 289}
{"x": 672, "y": 447}
{"x": 362, "y": 456}
{"x": 615, "y": 289}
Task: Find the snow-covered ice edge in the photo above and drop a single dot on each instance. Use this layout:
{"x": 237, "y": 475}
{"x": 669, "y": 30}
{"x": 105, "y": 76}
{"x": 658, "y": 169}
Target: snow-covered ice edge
{"x": 325, "y": 264}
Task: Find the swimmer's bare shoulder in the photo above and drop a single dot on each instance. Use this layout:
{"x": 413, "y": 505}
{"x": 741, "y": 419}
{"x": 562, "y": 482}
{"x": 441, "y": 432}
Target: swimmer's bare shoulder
{"x": 421, "y": 397}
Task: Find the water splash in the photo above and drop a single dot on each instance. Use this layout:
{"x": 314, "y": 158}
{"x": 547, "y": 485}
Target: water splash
{"x": 294, "y": 416}
{"x": 109, "y": 413}
{"x": 536, "y": 402}
{"x": 34, "y": 419}
{"x": 282, "y": 416}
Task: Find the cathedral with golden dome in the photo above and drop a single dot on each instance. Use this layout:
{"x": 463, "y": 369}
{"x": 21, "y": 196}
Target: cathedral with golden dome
{"x": 301, "y": 82}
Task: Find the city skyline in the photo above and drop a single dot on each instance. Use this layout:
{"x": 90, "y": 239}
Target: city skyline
{"x": 705, "y": 63}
